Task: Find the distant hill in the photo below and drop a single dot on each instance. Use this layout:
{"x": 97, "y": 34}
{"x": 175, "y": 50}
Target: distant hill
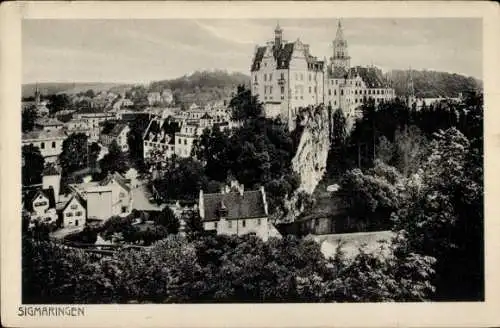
{"x": 432, "y": 84}
{"x": 49, "y": 88}
{"x": 202, "y": 87}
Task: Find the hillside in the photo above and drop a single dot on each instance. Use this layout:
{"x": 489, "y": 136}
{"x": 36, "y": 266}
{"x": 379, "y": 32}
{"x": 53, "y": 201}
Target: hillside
{"x": 202, "y": 87}
{"x": 49, "y": 88}
{"x": 432, "y": 84}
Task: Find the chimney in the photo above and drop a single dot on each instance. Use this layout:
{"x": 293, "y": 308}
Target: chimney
{"x": 201, "y": 204}
{"x": 241, "y": 189}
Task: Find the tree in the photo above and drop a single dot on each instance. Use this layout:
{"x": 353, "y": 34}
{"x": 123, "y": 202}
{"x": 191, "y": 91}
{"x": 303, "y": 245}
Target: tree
{"x": 445, "y": 220}
{"x": 245, "y": 106}
{"x": 58, "y": 102}
{"x": 33, "y": 164}
{"x": 339, "y": 133}
{"x": 385, "y": 150}
{"x": 114, "y": 160}
{"x": 182, "y": 178}
{"x": 74, "y": 155}
{"x": 410, "y": 149}
{"x": 89, "y": 93}
{"x": 94, "y": 150}
{"x": 168, "y": 219}
{"x": 28, "y": 118}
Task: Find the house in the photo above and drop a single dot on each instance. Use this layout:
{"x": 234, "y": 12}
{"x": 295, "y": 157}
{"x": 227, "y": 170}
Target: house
{"x": 49, "y": 142}
{"x": 159, "y": 136}
{"x": 74, "y": 213}
{"x": 235, "y": 211}
{"x": 106, "y": 198}
{"x": 51, "y": 179}
{"x": 154, "y": 98}
{"x": 167, "y": 96}
{"x": 116, "y": 133}
{"x": 41, "y": 206}
{"x": 93, "y": 117}
{"x": 184, "y": 140}
{"x": 81, "y": 126}
{"x": 48, "y": 124}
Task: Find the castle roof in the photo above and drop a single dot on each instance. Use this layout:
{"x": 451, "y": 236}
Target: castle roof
{"x": 283, "y": 56}
{"x": 237, "y": 206}
{"x": 372, "y": 76}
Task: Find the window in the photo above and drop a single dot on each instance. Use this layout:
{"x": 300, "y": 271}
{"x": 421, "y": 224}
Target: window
{"x": 329, "y": 92}
{"x": 282, "y": 90}
{"x": 258, "y": 221}
{"x": 255, "y": 78}
{"x": 270, "y": 76}
{"x": 243, "y": 223}
{"x": 265, "y": 89}
{"x": 69, "y": 214}
{"x": 40, "y": 204}
{"x": 185, "y": 142}
{"x": 79, "y": 213}
{"x": 42, "y": 145}
{"x": 76, "y": 222}
{"x": 215, "y": 225}
{"x": 335, "y": 92}
{"x": 124, "y": 209}
{"x": 301, "y": 76}
{"x": 53, "y": 144}
{"x": 122, "y": 194}
{"x": 73, "y": 207}
{"x": 230, "y": 224}
{"x": 309, "y": 76}
{"x": 341, "y": 92}
{"x": 315, "y": 89}
{"x": 271, "y": 89}
{"x": 282, "y": 75}
{"x": 265, "y": 77}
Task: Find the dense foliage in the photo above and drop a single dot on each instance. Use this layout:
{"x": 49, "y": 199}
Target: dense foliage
{"x": 33, "y": 164}
{"x": 432, "y": 84}
{"x": 74, "y": 155}
{"x": 202, "y": 87}
{"x": 219, "y": 269}
{"x": 114, "y": 161}
{"x": 433, "y": 193}
{"x": 28, "y": 118}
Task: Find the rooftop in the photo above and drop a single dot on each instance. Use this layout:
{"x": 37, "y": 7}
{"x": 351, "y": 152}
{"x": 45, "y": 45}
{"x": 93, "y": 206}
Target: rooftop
{"x": 43, "y": 134}
{"x": 238, "y": 206}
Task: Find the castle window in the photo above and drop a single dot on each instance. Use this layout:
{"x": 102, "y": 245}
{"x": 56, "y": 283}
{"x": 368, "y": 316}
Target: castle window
{"x": 329, "y": 92}
{"x": 301, "y": 77}
{"x": 335, "y": 102}
{"x": 282, "y": 90}
{"x": 265, "y": 77}
{"x": 243, "y": 223}
{"x": 335, "y": 92}
{"x": 309, "y": 77}
{"x": 255, "y": 78}
{"x": 282, "y": 75}
{"x": 271, "y": 89}
{"x": 42, "y": 145}
{"x": 315, "y": 89}
{"x": 270, "y": 76}
{"x": 342, "y": 92}
{"x": 53, "y": 144}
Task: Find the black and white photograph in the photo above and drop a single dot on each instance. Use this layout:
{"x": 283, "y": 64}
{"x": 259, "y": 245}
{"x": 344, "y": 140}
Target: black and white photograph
{"x": 245, "y": 160}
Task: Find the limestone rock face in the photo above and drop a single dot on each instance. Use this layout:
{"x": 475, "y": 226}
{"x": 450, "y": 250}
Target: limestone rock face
{"x": 312, "y": 152}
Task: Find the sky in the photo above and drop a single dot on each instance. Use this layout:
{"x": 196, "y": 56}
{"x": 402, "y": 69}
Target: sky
{"x": 140, "y": 51}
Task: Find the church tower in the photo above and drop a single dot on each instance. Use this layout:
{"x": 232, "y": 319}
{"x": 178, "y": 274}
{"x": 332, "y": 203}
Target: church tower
{"x": 340, "y": 54}
{"x": 37, "y": 95}
{"x": 410, "y": 89}
{"x": 278, "y": 36}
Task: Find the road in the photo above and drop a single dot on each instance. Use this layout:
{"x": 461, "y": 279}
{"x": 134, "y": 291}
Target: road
{"x": 140, "y": 196}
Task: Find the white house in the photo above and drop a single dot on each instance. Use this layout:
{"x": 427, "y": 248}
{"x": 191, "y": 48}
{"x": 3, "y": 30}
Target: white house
{"x": 235, "y": 211}
{"x": 41, "y": 206}
{"x": 74, "y": 213}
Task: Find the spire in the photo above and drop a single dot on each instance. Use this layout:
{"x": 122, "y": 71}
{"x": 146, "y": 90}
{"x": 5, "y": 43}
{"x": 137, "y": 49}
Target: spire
{"x": 278, "y": 36}
{"x": 278, "y": 27}
{"x": 340, "y": 31}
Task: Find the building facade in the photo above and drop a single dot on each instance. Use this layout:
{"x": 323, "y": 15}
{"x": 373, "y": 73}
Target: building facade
{"x": 286, "y": 77}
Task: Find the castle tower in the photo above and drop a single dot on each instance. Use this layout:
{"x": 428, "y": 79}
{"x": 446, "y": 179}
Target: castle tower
{"x": 341, "y": 56}
{"x": 278, "y": 36}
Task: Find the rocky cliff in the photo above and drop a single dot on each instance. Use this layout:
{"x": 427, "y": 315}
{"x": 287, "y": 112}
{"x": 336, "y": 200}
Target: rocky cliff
{"x": 312, "y": 152}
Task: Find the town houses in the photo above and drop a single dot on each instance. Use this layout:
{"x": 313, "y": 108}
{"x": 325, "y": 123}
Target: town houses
{"x": 286, "y": 76}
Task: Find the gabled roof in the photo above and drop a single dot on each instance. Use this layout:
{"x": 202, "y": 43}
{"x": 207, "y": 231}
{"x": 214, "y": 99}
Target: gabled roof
{"x": 43, "y": 134}
{"x": 371, "y": 76}
{"x": 31, "y": 195}
{"x": 118, "y": 178}
{"x": 48, "y": 121}
{"x": 338, "y": 73}
{"x": 248, "y": 205}
{"x": 283, "y": 56}
{"x": 117, "y": 129}
{"x": 78, "y": 198}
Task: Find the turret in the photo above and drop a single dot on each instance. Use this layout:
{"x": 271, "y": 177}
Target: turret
{"x": 278, "y": 36}
{"x": 341, "y": 56}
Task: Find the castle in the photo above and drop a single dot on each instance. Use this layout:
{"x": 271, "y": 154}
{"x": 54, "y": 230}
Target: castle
{"x": 285, "y": 77}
